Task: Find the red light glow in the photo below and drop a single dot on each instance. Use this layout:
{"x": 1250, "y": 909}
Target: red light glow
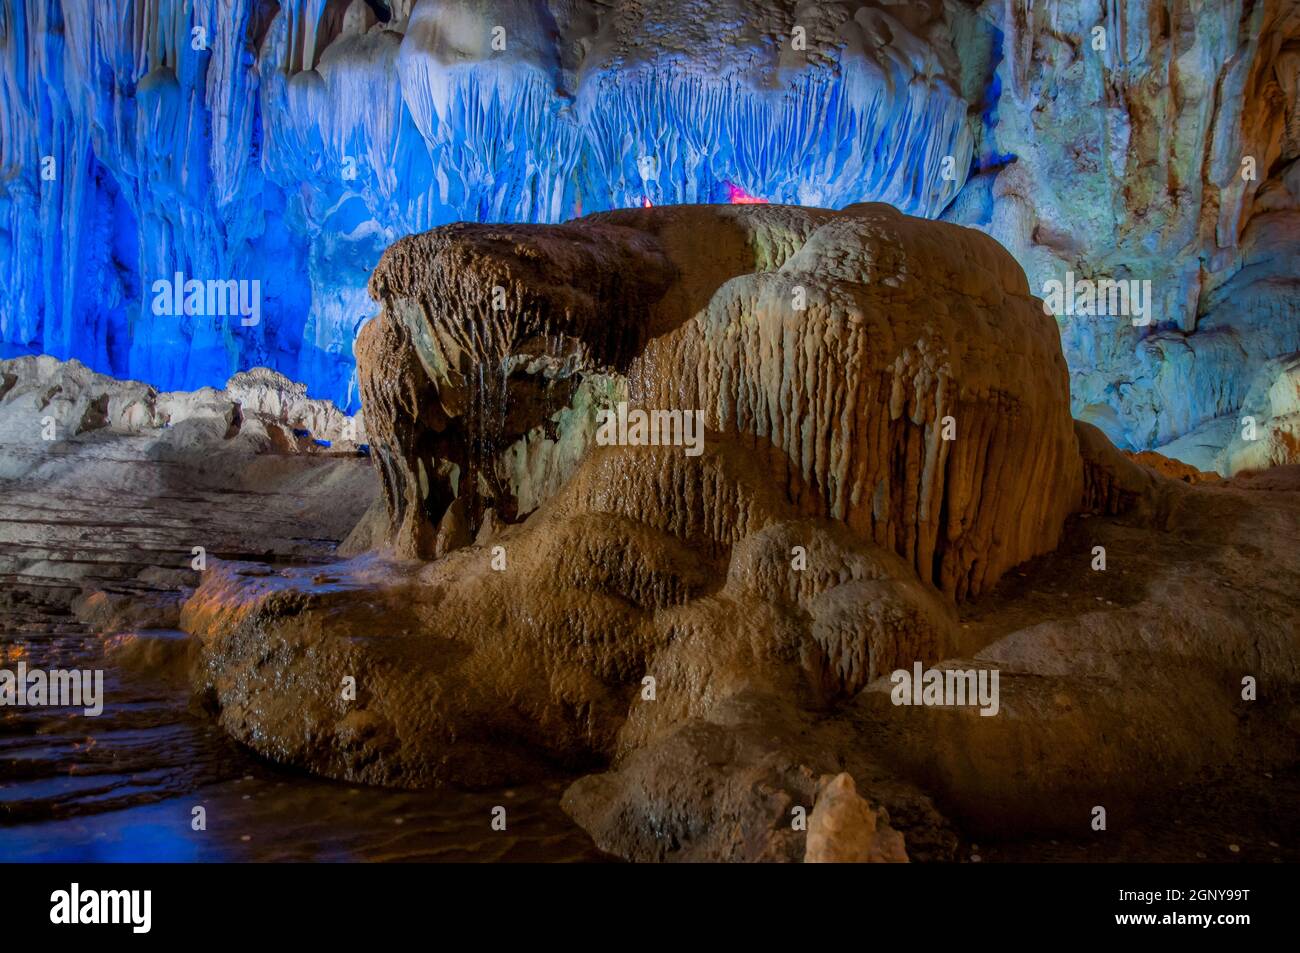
{"x": 738, "y": 196}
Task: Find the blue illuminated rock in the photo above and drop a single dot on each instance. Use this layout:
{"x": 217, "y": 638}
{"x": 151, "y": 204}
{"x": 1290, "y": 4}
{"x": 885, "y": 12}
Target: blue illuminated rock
{"x": 291, "y": 143}
{"x": 291, "y": 148}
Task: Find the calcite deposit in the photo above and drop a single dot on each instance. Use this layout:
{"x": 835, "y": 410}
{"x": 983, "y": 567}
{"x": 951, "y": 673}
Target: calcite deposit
{"x": 114, "y": 496}
{"x": 1152, "y": 142}
{"x": 865, "y": 378}
{"x": 890, "y": 478}
{"x": 844, "y": 828}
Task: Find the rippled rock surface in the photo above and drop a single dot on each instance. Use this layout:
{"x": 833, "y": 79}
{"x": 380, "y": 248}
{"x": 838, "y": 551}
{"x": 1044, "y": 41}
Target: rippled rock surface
{"x": 291, "y": 143}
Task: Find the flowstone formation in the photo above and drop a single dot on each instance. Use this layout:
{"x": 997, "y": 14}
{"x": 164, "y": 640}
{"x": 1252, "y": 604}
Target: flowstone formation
{"x": 712, "y": 637}
{"x": 841, "y": 351}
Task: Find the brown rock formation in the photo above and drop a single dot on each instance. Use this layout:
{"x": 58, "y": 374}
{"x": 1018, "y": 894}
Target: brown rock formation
{"x": 710, "y": 633}
{"x": 866, "y": 376}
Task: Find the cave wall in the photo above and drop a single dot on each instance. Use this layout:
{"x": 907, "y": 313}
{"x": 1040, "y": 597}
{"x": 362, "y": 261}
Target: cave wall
{"x": 1167, "y": 155}
{"x": 291, "y": 143}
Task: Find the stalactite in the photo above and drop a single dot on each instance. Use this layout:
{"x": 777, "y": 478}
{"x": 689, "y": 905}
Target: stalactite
{"x": 291, "y": 146}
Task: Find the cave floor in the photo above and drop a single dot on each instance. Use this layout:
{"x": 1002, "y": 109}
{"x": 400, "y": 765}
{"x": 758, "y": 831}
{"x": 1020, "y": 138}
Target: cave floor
{"x": 124, "y": 787}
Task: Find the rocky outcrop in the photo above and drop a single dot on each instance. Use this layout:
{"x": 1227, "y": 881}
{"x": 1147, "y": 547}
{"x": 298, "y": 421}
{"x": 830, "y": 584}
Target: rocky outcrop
{"x": 865, "y": 377}
{"x": 1268, "y": 432}
{"x": 1264, "y": 431}
{"x": 529, "y": 652}
{"x": 259, "y": 410}
{"x": 745, "y": 783}
{"x": 113, "y": 495}
{"x": 1113, "y": 483}
{"x": 844, "y": 828}
{"x": 884, "y": 416}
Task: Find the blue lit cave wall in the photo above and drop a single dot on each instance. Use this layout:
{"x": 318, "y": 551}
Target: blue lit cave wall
{"x": 291, "y": 142}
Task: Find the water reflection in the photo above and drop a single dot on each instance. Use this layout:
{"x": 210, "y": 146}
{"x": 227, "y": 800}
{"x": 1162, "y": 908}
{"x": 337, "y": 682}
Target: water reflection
{"x": 302, "y": 820}
{"x": 124, "y": 786}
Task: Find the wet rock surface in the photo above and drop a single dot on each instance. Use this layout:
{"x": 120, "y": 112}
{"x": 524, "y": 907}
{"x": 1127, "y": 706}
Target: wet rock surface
{"x": 107, "y": 489}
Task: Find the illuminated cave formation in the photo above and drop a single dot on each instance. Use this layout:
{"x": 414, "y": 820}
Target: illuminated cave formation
{"x": 292, "y": 143}
{"x": 310, "y": 311}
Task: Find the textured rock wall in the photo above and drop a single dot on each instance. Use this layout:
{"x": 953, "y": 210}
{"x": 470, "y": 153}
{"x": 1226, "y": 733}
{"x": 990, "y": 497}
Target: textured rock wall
{"x": 888, "y": 373}
{"x": 298, "y": 140}
{"x": 263, "y": 409}
{"x": 292, "y": 142}
{"x": 1153, "y": 142}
